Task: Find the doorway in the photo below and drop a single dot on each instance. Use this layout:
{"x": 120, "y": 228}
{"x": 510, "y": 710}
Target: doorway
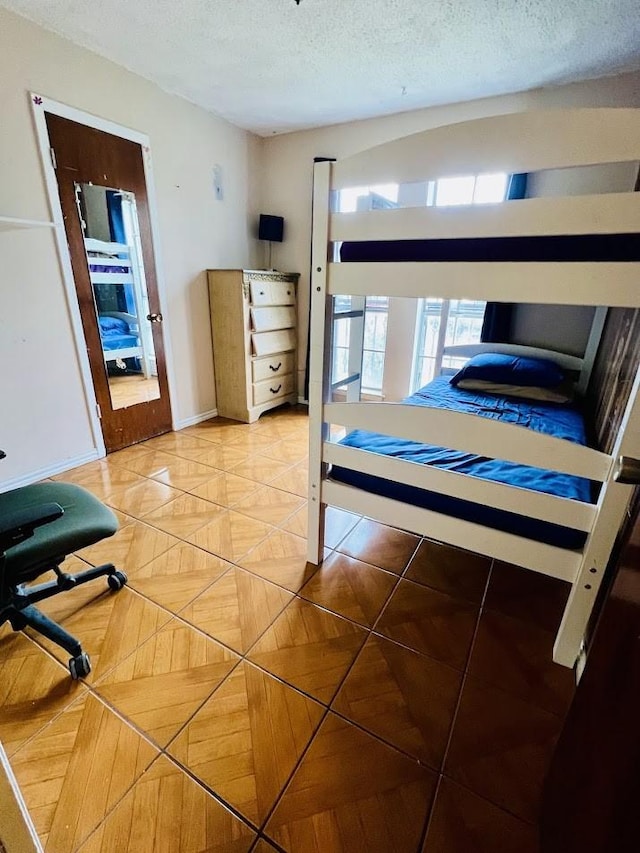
{"x": 103, "y": 197}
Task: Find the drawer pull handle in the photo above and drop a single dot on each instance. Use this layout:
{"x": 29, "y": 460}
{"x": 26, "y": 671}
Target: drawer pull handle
{"x": 277, "y": 368}
{"x": 288, "y": 293}
{"x": 262, "y": 293}
{"x": 275, "y": 390}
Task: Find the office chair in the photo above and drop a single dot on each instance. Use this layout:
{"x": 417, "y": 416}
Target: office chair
{"x": 40, "y": 525}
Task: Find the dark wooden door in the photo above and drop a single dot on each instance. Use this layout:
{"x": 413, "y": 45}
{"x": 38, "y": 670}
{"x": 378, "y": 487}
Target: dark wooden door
{"x": 87, "y": 156}
{"x": 592, "y": 795}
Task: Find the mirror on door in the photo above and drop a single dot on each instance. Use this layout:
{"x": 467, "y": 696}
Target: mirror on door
{"x": 114, "y": 257}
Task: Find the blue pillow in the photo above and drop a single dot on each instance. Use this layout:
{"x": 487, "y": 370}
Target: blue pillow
{"x": 511, "y": 370}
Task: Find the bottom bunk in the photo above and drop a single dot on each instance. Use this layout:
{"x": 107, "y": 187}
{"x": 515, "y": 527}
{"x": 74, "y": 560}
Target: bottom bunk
{"x": 460, "y": 461}
{"x": 561, "y": 420}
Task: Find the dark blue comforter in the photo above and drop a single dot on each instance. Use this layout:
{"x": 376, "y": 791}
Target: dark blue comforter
{"x": 562, "y": 421}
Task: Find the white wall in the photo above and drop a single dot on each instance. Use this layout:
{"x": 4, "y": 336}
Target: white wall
{"x": 44, "y": 423}
{"x": 288, "y": 164}
{"x": 567, "y": 327}
{"x": 583, "y": 180}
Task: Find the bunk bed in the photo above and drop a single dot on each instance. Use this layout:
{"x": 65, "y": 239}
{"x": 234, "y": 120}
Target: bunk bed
{"x": 114, "y": 276}
{"x": 575, "y": 250}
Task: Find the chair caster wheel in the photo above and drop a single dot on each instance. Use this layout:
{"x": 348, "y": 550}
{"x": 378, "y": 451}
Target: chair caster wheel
{"x": 117, "y": 580}
{"x": 80, "y": 666}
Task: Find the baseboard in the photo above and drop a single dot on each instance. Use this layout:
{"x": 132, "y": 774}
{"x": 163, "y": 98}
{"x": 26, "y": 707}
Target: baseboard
{"x": 302, "y": 401}
{"x": 195, "y": 419}
{"x": 49, "y": 471}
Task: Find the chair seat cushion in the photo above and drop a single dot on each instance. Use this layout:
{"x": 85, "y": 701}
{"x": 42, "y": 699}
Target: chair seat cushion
{"x": 85, "y": 521}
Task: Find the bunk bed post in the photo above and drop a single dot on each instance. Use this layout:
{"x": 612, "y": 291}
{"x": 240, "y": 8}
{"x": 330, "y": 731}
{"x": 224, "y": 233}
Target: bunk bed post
{"x": 319, "y": 367}
{"x": 612, "y": 504}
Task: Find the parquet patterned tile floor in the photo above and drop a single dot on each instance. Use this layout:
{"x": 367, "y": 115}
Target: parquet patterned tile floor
{"x": 400, "y": 699}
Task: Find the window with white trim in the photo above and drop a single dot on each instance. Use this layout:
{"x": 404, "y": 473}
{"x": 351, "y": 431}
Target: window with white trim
{"x": 376, "y": 307}
{"x": 442, "y": 323}
{"x": 446, "y": 322}
{"x": 468, "y": 189}
{"x": 374, "y": 346}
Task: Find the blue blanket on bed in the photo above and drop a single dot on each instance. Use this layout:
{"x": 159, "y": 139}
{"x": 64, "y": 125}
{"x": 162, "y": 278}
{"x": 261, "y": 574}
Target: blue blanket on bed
{"x": 115, "y": 334}
{"x": 562, "y": 421}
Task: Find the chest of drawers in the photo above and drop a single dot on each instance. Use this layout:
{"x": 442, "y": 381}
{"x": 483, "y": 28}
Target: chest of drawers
{"x": 253, "y": 323}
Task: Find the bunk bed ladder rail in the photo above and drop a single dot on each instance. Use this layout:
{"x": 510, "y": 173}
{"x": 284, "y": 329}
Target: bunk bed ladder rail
{"x": 612, "y": 505}
{"x": 320, "y": 340}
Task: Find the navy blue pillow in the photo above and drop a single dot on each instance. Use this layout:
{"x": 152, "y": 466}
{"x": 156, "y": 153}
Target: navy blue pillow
{"x": 511, "y": 370}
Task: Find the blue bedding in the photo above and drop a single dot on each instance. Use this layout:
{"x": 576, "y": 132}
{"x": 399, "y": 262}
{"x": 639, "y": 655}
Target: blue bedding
{"x": 115, "y": 334}
{"x": 562, "y": 421}
{"x": 115, "y": 342}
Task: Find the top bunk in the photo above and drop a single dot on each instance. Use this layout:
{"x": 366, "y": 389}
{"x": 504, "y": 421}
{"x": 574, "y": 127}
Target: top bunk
{"x": 562, "y": 248}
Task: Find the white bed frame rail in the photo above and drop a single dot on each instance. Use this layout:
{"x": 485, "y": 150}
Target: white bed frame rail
{"x": 513, "y": 143}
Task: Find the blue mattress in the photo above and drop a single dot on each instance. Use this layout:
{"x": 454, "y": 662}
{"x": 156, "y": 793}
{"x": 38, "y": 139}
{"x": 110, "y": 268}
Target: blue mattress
{"x": 562, "y": 421}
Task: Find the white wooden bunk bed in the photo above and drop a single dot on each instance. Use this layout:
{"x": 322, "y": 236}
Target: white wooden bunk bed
{"x": 116, "y": 264}
{"x": 516, "y": 143}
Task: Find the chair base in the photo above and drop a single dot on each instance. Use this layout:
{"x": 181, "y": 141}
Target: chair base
{"x": 17, "y": 608}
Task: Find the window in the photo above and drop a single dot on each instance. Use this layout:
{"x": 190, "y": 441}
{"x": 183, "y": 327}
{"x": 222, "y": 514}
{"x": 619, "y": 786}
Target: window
{"x": 376, "y": 308}
{"x": 367, "y": 198}
{"x": 469, "y": 189}
{"x": 341, "y": 330}
{"x": 375, "y": 339}
{"x": 443, "y": 323}
{"x": 446, "y": 322}
{"x": 440, "y": 323}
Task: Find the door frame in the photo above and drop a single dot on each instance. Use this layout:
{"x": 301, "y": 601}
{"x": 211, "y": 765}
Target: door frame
{"x": 40, "y": 104}
{"x": 16, "y": 826}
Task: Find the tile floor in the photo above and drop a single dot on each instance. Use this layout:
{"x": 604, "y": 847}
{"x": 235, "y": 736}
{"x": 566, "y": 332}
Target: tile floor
{"x": 400, "y": 698}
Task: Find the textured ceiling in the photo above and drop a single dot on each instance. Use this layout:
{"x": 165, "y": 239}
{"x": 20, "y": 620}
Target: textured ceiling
{"x": 272, "y": 66}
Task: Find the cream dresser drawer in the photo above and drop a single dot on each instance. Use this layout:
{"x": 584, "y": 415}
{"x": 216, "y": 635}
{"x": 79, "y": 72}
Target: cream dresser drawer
{"x": 280, "y": 317}
{"x": 267, "y": 343}
{"x": 272, "y": 292}
{"x": 277, "y": 365}
{"x": 279, "y": 386}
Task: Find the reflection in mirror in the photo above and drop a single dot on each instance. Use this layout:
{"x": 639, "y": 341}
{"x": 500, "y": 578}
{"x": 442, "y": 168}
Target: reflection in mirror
{"x": 114, "y": 256}
{"x": 491, "y": 188}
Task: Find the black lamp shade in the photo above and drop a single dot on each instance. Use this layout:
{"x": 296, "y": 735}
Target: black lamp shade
{"x": 271, "y": 228}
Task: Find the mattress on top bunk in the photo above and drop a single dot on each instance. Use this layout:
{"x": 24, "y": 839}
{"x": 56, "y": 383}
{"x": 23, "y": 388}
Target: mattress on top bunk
{"x": 560, "y": 420}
